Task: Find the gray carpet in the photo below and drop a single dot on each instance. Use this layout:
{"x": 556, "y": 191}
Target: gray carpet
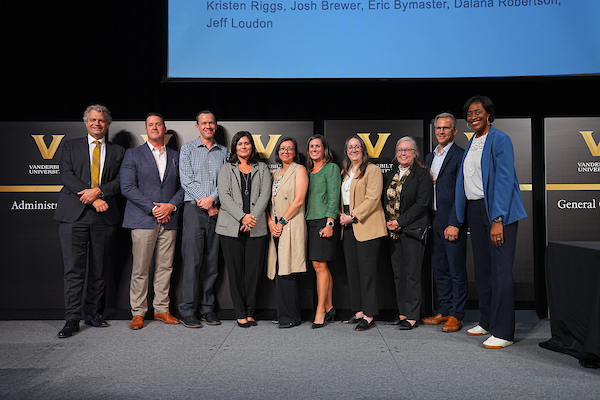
{"x": 264, "y": 362}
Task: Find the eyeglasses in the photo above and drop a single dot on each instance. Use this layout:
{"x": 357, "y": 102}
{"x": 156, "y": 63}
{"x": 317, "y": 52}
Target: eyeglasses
{"x": 287, "y": 149}
{"x": 400, "y": 151}
{"x": 354, "y": 147}
{"x": 477, "y": 112}
{"x": 443, "y": 128}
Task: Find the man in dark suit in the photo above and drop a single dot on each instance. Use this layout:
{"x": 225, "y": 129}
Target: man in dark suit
{"x": 150, "y": 183}
{"x": 88, "y": 214}
{"x": 448, "y": 259}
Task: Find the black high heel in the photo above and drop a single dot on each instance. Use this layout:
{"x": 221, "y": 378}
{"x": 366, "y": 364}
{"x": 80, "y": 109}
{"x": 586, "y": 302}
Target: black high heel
{"x": 330, "y": 315}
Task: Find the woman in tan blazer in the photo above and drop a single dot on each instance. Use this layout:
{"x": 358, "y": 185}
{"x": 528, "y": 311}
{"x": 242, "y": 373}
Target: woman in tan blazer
{"x": 363, "y": 220}
{"x": 287, "y": 247}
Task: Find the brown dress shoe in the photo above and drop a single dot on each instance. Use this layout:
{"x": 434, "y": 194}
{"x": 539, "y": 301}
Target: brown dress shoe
{"x": 438, "y": 319}
{"x": 137, "y": 322}
{"x": 166, "y": 317}
{"x": 452, "y": 325}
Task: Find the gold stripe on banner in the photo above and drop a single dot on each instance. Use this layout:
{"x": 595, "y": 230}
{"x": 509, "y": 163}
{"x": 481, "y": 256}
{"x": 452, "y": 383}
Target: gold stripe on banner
{"x": 31, "y": 189}
{"x": 526, "y": 187}
{"x": 572, "y": 186}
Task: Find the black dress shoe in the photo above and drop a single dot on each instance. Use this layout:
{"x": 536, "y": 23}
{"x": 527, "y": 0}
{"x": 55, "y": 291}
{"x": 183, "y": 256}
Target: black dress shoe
{"x": 253, "y": 323}
{"x": 95, "y": 320}
{"x": 404, "y": 325}
{"x": 211, "y": 318}
{"x": 363, "y": 325}
{"x": 70, "y": 327}
{"x": 394, "y": 322}
{"x": 286, "y": 325}
{"x": 191, "y": 321}
{"x": 352, "y": 320}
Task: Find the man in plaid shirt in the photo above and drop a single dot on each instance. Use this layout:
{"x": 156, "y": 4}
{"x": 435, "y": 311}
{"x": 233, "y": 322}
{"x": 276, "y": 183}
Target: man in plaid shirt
{"x": 199, "y": 164}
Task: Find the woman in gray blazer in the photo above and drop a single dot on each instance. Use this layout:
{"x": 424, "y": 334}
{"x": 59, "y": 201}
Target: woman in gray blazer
{"x": 244, "y": 191}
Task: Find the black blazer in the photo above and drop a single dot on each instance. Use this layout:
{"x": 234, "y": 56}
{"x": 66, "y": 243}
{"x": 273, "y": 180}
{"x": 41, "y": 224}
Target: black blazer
{"x": 75, "y": 175}
{"x": 445, "y": 187}
{"x": 415, "y": 199}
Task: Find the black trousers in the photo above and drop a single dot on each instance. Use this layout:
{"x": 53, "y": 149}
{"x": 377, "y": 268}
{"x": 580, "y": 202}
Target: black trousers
{"x": 286, "y": 295}
{"x": 361, "y": 267}
{"x": 244, "y": 259}
{"x": 407, "y": 264}
{"x": 493, "y": 272}
{"x": 85, "y": 243}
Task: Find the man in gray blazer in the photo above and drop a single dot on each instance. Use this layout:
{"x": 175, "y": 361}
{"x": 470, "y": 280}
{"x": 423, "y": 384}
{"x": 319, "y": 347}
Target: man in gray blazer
{"x": 150, "y": 183}
{"x": 88, "y": 213}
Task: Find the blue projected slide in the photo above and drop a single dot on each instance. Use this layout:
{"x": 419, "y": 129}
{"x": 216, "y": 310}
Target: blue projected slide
{"x": 382, "y": 39}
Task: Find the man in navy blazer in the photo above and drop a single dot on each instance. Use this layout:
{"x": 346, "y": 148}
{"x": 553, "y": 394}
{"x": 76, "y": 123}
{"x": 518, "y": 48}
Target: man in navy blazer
{"x": 448, "y": 259}
{"x": 88, "y": 214}
{"x": 150, "y": 183}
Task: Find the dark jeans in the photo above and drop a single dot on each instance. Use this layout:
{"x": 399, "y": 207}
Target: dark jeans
{"x": 200, "y": 252}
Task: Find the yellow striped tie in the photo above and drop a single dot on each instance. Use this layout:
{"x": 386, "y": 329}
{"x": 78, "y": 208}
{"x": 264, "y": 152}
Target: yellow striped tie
{"x": 96, "y": 165}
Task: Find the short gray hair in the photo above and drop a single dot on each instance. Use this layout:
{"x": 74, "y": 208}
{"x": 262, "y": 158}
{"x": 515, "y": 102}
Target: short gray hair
{"x": 99, "y": 108}
{"x": 412, "y": 141}
{"x": 446, "y": 115}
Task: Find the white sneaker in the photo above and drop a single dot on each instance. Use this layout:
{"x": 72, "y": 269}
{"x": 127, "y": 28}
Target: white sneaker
{"x": 496, "y": 343}
{"x": 477, "y": 331}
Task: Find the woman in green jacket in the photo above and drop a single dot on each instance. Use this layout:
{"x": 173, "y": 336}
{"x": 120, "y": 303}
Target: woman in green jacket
{"x": 322, "y": 210}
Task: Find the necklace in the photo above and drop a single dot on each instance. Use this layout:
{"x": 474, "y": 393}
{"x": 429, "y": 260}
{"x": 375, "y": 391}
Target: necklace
{"x": 246, "y": 177}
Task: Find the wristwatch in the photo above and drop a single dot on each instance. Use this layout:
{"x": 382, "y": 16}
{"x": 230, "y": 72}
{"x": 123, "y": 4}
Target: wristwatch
{"x": 354, "y": 219}
{"x": 283, "y": 221}
{"x": 330, "y": 223}
{"x": 498, "y": 219}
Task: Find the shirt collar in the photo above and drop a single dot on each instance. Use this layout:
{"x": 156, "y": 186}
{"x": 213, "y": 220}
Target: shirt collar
{"x": 91, "y": 139}
{"x": 152, "y": 147}
{"x": 444, "y": 150}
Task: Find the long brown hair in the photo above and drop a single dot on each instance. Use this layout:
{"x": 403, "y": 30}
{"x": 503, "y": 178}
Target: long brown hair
{"x": 347, "y": 164}
{"x": 326, "y": 157}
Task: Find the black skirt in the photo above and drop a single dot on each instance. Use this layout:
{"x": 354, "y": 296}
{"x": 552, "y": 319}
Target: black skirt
{"x": 320, "y": 248}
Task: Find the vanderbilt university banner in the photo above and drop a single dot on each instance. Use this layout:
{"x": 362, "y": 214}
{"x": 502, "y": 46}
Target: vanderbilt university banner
{"x": 31, "y": 271}
{"x": 519, "y": 130}
{"x": 572, "y": 178}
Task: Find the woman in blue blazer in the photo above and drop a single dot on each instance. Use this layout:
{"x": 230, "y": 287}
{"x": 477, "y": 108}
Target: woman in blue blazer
{"x": 489, "y": 199}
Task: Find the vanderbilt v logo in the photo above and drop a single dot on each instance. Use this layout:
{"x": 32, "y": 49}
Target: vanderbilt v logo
{"x": 589, "y": 140}
{"x": 265, "y": 152}
{"x": 168, "y": 137}
{"x": 47, "y": 152}
{"x": 469, "y": 135}
{"x": 374, "y": 152}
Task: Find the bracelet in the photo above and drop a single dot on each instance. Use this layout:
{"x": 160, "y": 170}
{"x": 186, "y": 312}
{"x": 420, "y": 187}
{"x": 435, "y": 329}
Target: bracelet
{"x": 283, "y": 221}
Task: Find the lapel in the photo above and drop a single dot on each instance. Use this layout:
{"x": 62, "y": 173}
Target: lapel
{"x": 486, "y": 157}
{"x": 150, "y": 158}
{"x": 448, "y": 157}
{"x": 84, "y": 150}
{"x": 107, "y": 160}
{"x": 169, "y": 161}
{"x": 288, "y": 173}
